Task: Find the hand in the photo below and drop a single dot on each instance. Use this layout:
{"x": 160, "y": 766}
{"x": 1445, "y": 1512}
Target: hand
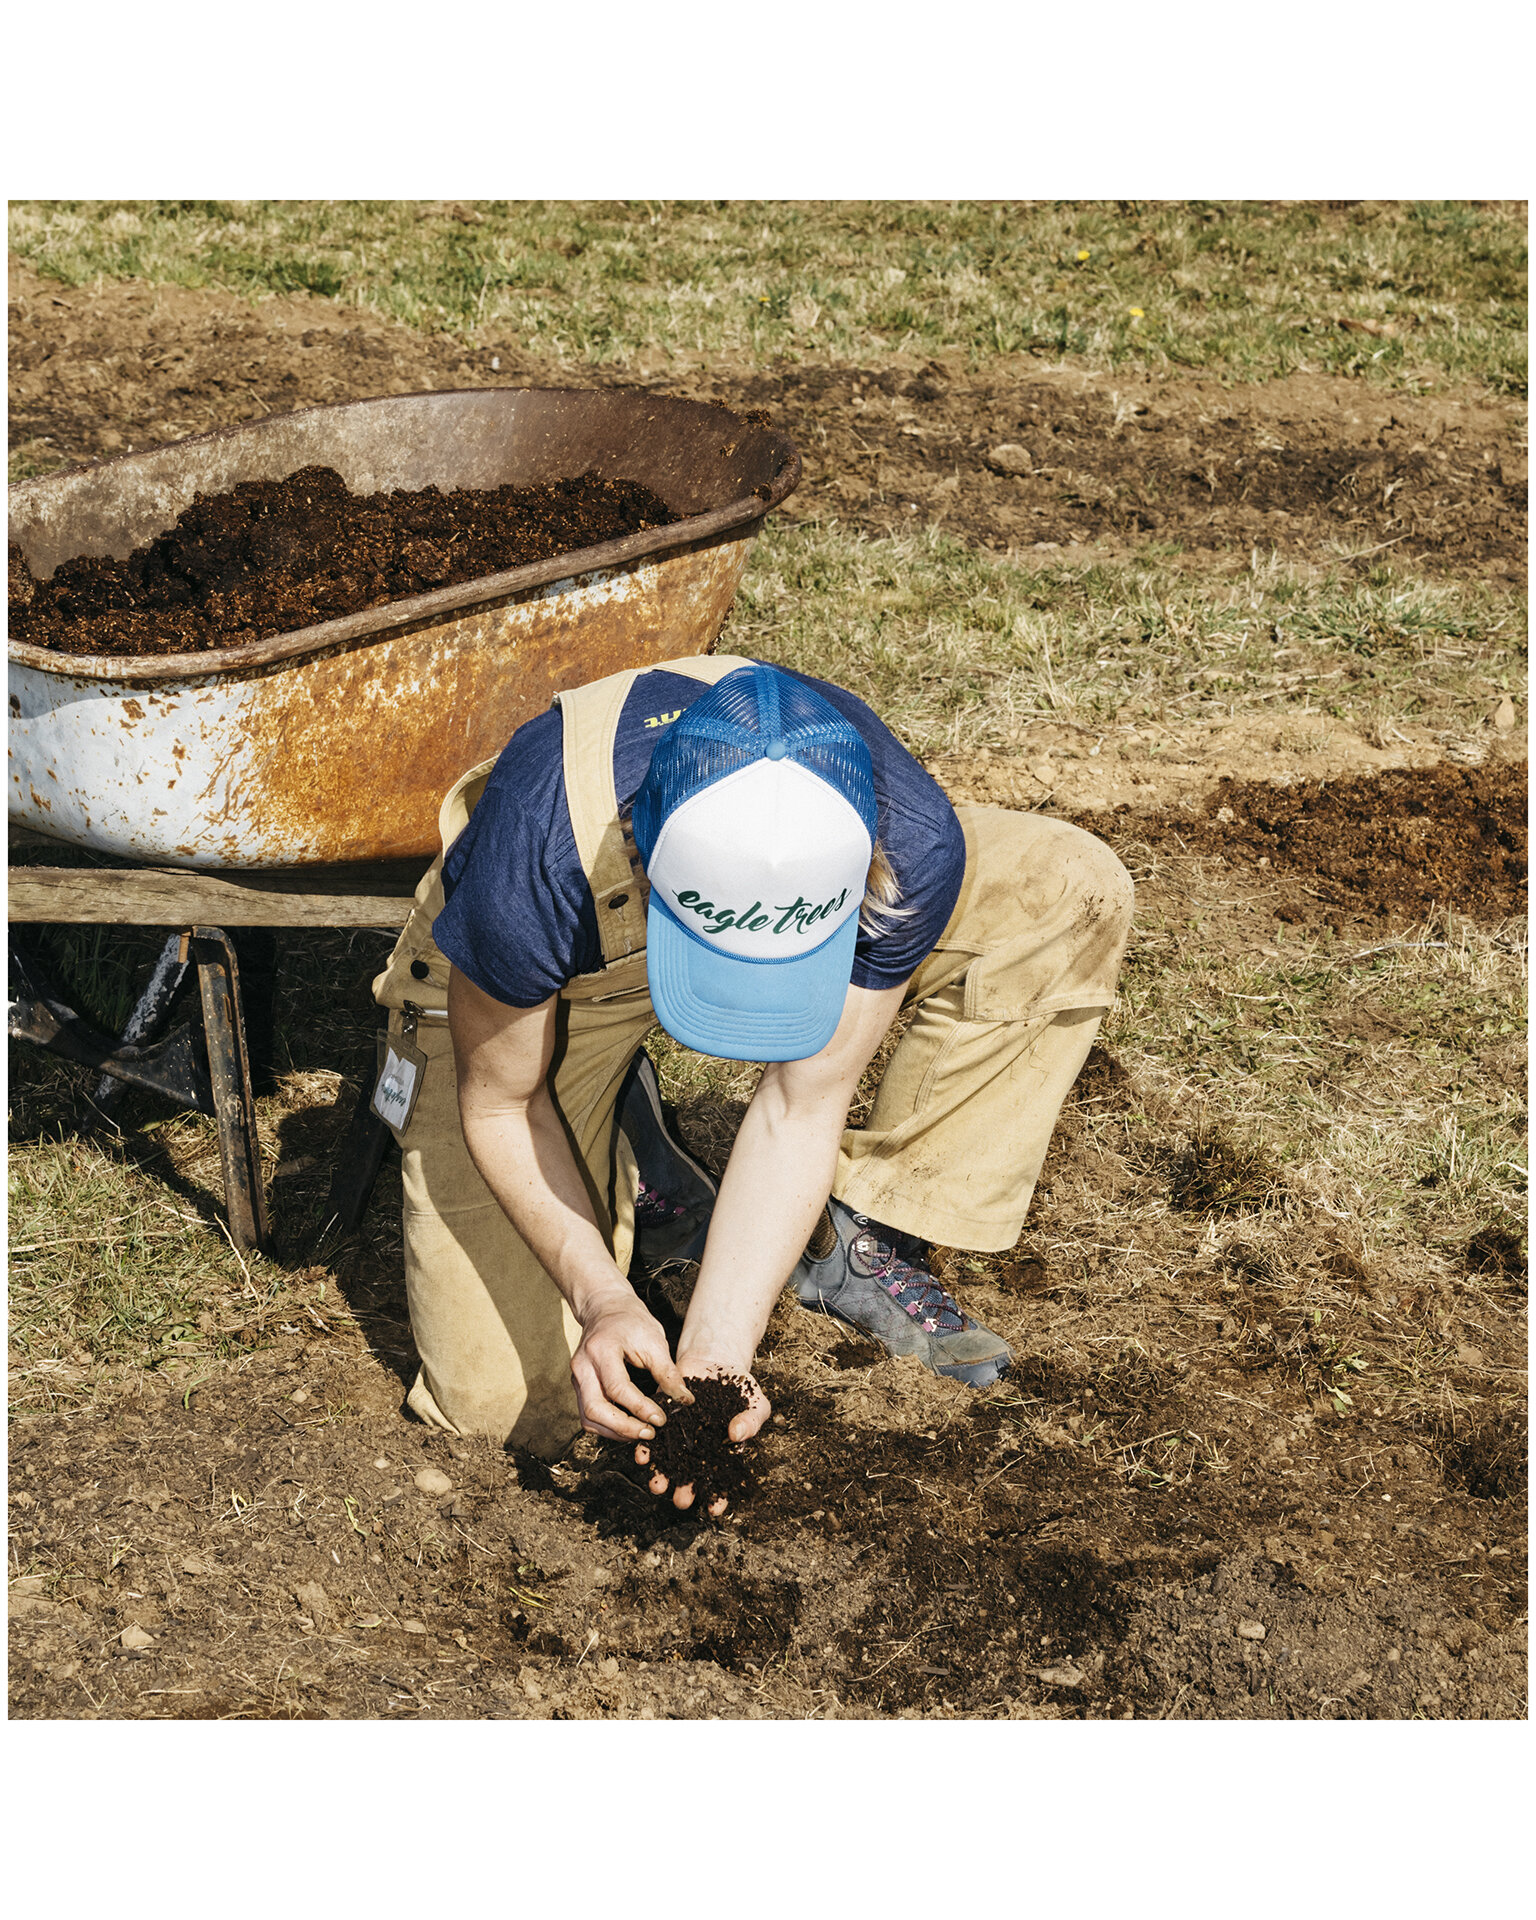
{"x": 745, "y": 1424}
{"x": 619, "y": 1330}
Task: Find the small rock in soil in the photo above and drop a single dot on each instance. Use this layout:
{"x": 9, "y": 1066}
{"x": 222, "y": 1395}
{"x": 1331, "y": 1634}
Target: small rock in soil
{"x": 311, "y": 1596}
{"x": 434, "y": 1481}
{"x": 1059, "y": 1676}
{"x": 135, "y": 1639}
{"x": 1251, "y": 1630}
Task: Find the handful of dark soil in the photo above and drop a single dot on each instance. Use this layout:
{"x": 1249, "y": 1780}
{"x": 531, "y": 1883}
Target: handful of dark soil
{"x": 273, "y": 555}
{"x": 694, "y": 1448}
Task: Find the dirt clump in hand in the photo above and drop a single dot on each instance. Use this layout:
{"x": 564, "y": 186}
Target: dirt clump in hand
{"x": 272, "y": 556}
{"x": 695, "y": 1449}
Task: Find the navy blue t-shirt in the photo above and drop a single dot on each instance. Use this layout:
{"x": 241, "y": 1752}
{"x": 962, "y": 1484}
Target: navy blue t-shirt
{"x": 519, "y": 919}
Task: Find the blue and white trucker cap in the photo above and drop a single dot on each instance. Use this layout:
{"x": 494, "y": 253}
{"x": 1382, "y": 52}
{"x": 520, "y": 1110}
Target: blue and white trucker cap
{"x": 756, "y": 822}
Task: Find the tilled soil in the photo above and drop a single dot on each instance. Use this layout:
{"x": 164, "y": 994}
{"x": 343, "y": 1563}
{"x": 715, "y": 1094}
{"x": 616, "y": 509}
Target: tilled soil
{"x": 257, "y": 1546}
{"x": 1178, "y": 1520}
{"x": 270, "y": 556}
{"x": 1397, "y": 844}
{"x": 1306, "y": 466}
{"x": 1056, "y": 458}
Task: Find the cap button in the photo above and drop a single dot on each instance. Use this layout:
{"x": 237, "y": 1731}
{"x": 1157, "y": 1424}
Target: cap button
{"x": 777, "y": 749}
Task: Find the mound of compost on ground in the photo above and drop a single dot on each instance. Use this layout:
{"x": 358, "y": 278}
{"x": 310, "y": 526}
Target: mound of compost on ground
{"x": 271, "y": 556}
{"x": 694, "y": 1448}
{"x": 1401, "y": 842}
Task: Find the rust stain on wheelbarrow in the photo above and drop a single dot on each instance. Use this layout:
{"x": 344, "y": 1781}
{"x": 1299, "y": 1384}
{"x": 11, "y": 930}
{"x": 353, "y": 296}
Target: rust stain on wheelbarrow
{"x": 436, "y": 715}
{"x": 336, "y": 744}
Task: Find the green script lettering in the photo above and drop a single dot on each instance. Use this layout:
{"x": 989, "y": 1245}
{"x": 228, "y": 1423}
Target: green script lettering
{"x": 800, "y": 916}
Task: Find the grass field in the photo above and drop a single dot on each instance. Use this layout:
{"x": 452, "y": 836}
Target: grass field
{"x": 1402, "y": 295}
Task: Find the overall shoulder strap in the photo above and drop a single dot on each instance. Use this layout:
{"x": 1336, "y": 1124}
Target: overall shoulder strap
{"x": 708, "y": 667}
{"x": 461, "y": 800}
{"x": 590, "y": 722}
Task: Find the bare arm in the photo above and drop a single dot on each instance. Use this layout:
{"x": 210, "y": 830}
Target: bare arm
{"x": 779, "y": 1175}
{"x": 520, "y": 1149}
{"x": 776, "y": 1182}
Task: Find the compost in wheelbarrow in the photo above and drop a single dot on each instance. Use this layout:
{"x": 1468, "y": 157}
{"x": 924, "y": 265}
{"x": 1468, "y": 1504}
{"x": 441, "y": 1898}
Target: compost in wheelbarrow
{"x": 268, "y": 556}
{"x": 333, "y": 743}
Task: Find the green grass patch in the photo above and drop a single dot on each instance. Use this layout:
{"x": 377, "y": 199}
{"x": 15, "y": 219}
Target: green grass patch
{"x": 958, "y": 648}
{"x": 1364, "y": 1075}
{"x": 1244, "y": 289}
{"x": 107, "y": 1265}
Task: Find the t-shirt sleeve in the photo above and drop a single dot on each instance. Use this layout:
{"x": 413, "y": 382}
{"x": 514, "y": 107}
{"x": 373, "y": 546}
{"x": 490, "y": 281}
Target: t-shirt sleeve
{"x": 519, "y": 920}
{"x": 923, "y": 842}
{"x": 927, "y": 856}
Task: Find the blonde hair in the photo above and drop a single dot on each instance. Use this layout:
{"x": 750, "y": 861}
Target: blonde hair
{"x": 882, "y": 892}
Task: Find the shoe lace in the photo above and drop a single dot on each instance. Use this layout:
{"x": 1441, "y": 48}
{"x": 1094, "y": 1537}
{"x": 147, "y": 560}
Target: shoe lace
{"x": 900, "y": 1267}
{"x": 653, "y": 1209}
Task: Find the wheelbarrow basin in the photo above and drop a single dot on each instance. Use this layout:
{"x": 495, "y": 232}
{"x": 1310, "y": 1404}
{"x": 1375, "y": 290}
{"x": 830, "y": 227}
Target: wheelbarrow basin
{"x": 335, "y": 743}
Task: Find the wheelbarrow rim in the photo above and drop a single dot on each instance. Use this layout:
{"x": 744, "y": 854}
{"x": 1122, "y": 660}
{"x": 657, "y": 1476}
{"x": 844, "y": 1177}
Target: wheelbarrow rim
{"x": 736, "y": 516}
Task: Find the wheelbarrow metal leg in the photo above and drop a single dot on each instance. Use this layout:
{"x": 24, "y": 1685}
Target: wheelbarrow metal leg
{"x": 218, "y": 979}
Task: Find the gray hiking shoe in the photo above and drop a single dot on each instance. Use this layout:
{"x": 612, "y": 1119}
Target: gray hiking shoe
{"x": 676, "y": 1195}
{"x": 877, "y": 1280}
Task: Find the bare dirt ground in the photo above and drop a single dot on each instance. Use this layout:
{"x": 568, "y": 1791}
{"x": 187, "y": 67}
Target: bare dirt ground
{"x": 1441, "y": 478}
{"x": 1185, "y": 1502}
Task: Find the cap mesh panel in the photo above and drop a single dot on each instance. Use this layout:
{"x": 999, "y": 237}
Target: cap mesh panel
{"x": 730, "y": 728}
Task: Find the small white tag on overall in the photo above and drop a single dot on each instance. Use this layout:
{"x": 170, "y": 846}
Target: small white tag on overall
{"x": 401, "y": 1070}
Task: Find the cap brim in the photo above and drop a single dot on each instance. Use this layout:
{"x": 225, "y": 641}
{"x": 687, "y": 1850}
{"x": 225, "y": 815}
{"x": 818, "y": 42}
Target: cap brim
{"x": 735, "y": 1009}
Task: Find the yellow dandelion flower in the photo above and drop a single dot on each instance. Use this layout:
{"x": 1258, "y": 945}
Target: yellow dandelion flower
{"x": 1084, "y": 253}
{"x": 1137, "y": 313}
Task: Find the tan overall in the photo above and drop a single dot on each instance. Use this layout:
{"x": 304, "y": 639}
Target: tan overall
{"x": 1005, "y": 1009}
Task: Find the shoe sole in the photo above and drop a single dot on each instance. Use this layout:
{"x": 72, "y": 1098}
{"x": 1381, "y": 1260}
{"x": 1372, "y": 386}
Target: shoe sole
{"x": 980, "y": 1373}
{"x": 642, "y": 1079}
{"x": 972, "y": 1373}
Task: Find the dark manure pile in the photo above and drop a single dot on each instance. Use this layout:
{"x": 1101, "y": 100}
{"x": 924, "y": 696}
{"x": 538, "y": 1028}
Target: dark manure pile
{"x": 694, "y": 1448}
{"x": 271, "y": 556}
{"x": 1396, "y": 844}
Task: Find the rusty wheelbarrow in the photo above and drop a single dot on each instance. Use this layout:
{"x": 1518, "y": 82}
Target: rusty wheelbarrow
{"x": 335, "y": 743}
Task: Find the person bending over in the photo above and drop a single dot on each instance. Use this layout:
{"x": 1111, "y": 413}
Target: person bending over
{"x": 748, "y": 856}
